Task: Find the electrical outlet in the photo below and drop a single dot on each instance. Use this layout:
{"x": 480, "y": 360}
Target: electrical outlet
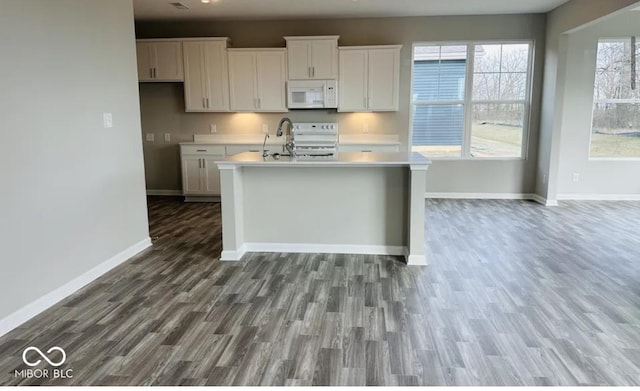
{"x": 214, "y": 128}
{"x": 576, "y": 177}
{"x": 365, "y": 128}
{"x": 107, "y": 120}
{"x": 167, "y": 137}
{"x": 265, "y": 128}
{"x": 151, "y": 137}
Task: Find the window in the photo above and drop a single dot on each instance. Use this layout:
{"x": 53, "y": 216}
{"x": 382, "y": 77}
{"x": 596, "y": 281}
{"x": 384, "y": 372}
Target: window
{"x": 615, "y": 131}
{"x": 470, "y": 100}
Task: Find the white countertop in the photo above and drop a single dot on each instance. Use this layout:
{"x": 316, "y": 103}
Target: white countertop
{"x": 343, "y": 159}
{"x": 233, "y": 139}
{"x": 257, "y": 139}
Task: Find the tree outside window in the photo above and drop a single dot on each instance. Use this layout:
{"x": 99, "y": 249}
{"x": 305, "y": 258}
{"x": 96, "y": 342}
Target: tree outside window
{"x": 615, "y": 131}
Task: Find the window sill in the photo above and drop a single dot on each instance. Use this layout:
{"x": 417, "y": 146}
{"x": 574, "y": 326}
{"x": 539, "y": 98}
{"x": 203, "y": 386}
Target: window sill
{"x": 613, "y": 159}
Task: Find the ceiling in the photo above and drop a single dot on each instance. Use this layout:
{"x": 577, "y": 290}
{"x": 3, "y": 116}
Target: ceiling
{"x": 309, "y": 9}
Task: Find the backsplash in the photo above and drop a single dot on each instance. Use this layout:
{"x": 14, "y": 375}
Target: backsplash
{"x": 162, "y": 112}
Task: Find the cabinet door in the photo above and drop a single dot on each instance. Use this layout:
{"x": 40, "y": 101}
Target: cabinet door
{"x": 383, "y": 74}
{"x": 211, "y": 175}
{"x": 298, "y": 60}
{"x": 324, "y": 59}
{"x": 192, "y": 182}
{"x": 195, "y": 77}
{"x": 271, "y": 78}
{"x": 242, "y": 81}
{"x": 143, "y": 52}
{"x": 353, "y": 80}
{"x": 167, "y": 58}
{"x": 217, "y": 82}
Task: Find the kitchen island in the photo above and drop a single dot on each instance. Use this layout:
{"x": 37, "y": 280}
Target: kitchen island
{"x": 353, "y": 203}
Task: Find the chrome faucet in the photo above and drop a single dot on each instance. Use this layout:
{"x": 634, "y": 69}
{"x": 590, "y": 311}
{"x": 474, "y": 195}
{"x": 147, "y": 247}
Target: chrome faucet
{"x": 265, "y": 153}
{"x": 289, "y": 139}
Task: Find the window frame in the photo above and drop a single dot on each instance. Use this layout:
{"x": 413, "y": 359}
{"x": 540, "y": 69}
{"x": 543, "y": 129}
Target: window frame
{"x": 614, "y": 101}
{"x": 468, "y": 101}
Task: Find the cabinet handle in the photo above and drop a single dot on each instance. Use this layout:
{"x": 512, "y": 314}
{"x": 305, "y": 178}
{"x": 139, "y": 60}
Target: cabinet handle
{"x": 367, "y": 150}
{"x": 153, "y": 72}
{"x": 204, "y": 103}
{"x": 313, "y": 71}
{"x": 208, "y": 103}
{"x": 201, "y": 150}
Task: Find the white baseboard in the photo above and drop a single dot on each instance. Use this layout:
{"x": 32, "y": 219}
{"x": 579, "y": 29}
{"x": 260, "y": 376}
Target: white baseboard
{"x": 481, "y": 196}
{"x": 156, "y": 192}
{"x": 599, "y": 197}
{"x": 417, "y": 260}
{"x": 541, "y": 200}
{"x": 493, "y": 196}
{"x": 227, "y": 255}
{"x": 325, "y": 248}
{"x": 39, "y": 305}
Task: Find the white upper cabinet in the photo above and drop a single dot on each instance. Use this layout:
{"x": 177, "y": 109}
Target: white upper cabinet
{"x": 159, "y": 60}
{"x": 369, "y": 78}
{"x": 257, "y": 80}
{"x": 352, "y": 90}
{"x": 206, "y": 75}
{"x": 312, "y": 57}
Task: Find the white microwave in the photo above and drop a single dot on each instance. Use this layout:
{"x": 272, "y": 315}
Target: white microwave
{"x": 312, "y": 94}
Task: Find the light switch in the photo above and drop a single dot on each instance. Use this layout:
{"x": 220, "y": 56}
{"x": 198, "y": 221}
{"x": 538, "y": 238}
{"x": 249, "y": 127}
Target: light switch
{"x": 151, "y": 137}
{"x": 167, "y": 137}
{"x": 107, "y": 119}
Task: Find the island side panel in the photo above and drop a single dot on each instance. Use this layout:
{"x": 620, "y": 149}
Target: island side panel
{"x": 232, "y": 194}
{"x": 326, "y": 209}
{"x": 416, "y": 220}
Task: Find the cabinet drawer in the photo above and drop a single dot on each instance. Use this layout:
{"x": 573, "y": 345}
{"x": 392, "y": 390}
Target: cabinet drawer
{"x": 202, "y": 150}
{"x": 368, "y": 148}
{"x": 236, "y": 149}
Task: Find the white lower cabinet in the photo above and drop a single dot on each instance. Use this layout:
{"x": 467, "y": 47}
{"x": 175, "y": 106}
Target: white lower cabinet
{"x": 236, "y": 149}
{"x": 200, "y": 174}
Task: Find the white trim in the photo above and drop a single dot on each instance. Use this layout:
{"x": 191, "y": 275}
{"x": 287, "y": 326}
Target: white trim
{"x": 325, "y": 248}
{"x": 481, "y": 196}
{"x": 599, "y": 197}
{"x": 541, "y": 200}
{"x": 152, "y": 192}
{"x": 493, "y": 196}
{"x": 41, "y": 304}
{"x": 417, "y": 260}
{"x": 228, "y": 255}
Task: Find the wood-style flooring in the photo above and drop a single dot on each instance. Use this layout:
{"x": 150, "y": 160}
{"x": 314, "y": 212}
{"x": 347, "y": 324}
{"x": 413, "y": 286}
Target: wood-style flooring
{"x": 515, "y": 294}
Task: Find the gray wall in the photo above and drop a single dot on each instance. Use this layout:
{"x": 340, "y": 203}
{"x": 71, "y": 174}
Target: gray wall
{"x": 163, "y": 107}
{"x": 72, "y": 192}
{"x": 597, "y": 177}
{"x": 570, "y": 17}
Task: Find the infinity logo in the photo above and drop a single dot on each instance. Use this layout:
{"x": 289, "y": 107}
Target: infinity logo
{"x": 53, "y": 364}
